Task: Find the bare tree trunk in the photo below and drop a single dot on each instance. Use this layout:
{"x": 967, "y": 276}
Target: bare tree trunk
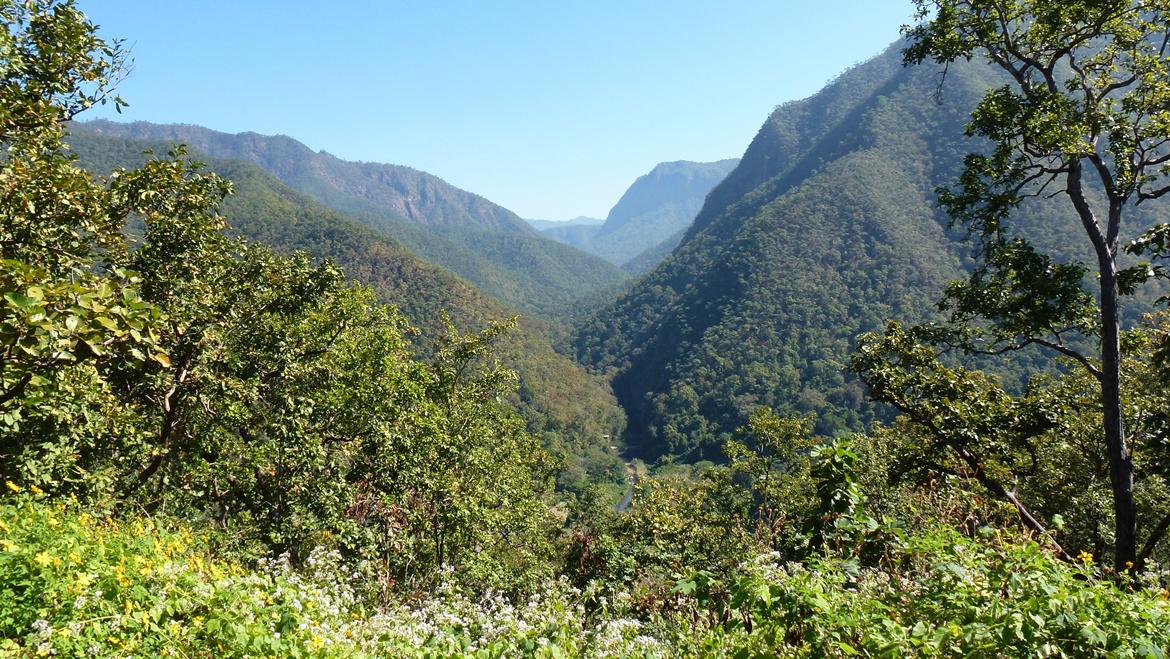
{"x": 1120, "y": 459}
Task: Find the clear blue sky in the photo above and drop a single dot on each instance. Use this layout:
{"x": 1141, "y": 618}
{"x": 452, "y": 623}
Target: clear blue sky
{"x": 548, "y": 107}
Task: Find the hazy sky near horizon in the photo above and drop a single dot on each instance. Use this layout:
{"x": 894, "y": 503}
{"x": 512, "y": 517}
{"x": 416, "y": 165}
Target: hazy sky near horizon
{"x": 549, "y": 108}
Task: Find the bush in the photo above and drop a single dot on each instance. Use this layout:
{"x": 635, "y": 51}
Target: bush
{"x": 943, "y": 594}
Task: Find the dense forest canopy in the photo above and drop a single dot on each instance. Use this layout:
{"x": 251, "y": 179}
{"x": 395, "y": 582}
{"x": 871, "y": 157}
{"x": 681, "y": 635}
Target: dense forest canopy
{"x": 217, "y": 438}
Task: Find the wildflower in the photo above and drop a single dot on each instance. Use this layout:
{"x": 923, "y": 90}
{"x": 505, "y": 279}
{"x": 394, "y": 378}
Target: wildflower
{"x": 13, "y": 486}
{"x": 35, "y": 490}
{"x": 1085, "y": 557}
{"x": 43, "y": 559}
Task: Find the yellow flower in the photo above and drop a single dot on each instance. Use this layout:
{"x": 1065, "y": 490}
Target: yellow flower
{"x": 7, "y": 545}
{"x": 74, "y": 557}
{"x": 13, "y": 486}
{"x": 1085, "y": 557}
{"x": 43, "y": 558}
{"x": 35, "y": 490}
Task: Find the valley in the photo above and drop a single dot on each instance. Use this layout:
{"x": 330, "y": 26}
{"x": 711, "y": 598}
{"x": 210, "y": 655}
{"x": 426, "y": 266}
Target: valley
{"x": 887, "y": 379}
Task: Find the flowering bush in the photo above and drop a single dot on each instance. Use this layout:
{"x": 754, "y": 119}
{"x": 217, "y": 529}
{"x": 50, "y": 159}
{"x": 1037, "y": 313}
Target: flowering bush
{"x": 942, "y": 594}
{"x": 75, "y": 585}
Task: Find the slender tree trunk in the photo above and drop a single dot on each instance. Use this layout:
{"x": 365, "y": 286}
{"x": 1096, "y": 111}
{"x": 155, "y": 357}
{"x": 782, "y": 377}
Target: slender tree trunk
{"x": 1120, "y": 460}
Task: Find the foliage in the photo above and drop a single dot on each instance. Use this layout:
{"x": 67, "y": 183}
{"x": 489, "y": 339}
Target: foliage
{"x": 824, "y": 230}
{"x": 180, "y": 405}
{"x": 76, "y": 585}
{"x": 570, "y": 410}
{"x": 153, "y": 362}
{"x": 777, "y": 466}
{"x": 948, "y": 595}
{"x": 1084, "y": 116}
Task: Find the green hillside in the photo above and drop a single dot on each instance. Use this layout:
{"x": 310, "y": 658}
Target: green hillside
{"x": 571, "y": 409}
{"x": 650, "y": 257}
{"x": 235, "y": 422}
{"x": 484, "y": 243}
{"x": 826, "y": 229}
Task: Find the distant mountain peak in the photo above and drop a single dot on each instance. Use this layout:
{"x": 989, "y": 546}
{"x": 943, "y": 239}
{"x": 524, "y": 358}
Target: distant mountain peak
{"x": 657, "y": 206}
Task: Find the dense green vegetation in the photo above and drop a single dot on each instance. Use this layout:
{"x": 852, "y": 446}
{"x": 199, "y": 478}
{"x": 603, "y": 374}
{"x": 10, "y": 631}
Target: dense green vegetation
{"x": 827, "y": 228}
{"x": 487, "y": 245}
{"x": 570, "y": 409}
{"x": 209, "y": 447}
{"x": 652, "y": 256}
{"x": 654, "y": 208}
{"x": 824, "y": 230}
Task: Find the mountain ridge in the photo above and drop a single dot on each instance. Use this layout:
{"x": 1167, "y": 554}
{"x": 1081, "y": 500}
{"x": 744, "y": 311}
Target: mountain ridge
{"x": 826, "y": 228}
{"x": 570, "y": 408}
{"x": 488, "y": 245}
{"x": 652, "y": 209}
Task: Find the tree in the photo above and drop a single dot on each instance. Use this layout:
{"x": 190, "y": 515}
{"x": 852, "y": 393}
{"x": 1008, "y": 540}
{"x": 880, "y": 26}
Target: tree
{"x": 68, "y": 309}
{"x": 1086, "y": 115}
{"x": 149, "y": 360}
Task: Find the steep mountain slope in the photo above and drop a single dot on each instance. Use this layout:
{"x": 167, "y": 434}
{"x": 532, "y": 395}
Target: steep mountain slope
{"x": 827, "y": 228}
{"x": 570, "y": 408}
{"x": 485, "y": 243}
{"x": 654, "y": 208}
{"x": 645, "y": 262}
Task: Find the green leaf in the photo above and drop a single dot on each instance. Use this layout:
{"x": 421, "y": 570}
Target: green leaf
{"x": 19, "y": 300}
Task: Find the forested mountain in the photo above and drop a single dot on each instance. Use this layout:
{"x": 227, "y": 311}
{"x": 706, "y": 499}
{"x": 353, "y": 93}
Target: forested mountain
{"x": 487, "y": 244}
{"x": 653, "y": 209}
{"x": 215, "y": 441}
{"x": 652, "y": 256}
{"x": 827, "y": 228}
{"x": 571, "y": 409}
